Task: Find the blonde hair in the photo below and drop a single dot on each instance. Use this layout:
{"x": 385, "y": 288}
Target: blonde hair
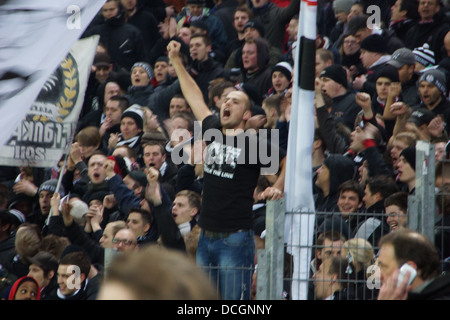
{"x": 359, "y": 252}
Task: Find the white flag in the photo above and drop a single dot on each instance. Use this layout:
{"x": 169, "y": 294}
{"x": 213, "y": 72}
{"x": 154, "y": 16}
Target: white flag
{"x": 35, "y": 37}
{"x": 299, "y": 222}
{"x": 42, "y": 136}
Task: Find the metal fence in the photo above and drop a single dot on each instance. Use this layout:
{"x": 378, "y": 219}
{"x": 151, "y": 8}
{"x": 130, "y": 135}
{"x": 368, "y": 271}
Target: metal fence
{"x": 285, "y": 271}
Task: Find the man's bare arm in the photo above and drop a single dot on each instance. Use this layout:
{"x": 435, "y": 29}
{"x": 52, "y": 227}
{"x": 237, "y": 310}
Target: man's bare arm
{"x": 189, "y": 87}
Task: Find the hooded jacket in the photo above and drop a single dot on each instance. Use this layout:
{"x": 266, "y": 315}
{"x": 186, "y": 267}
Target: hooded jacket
{"x": 15, "y": 286}
{"x": 341, "y": 169}
{"x": 262, "y": 78}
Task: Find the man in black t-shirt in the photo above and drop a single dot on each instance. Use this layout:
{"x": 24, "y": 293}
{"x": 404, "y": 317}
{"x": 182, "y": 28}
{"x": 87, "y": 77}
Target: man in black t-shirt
{"x": 232, "y": 165}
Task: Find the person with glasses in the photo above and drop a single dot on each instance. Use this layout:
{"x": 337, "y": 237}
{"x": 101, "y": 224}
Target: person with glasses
{"x": 350, "y": 53}
{"x": 125, "y": 240}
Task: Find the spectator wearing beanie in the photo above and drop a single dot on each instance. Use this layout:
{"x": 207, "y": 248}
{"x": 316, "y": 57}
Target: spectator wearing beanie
{"x": 161, "y": 77}
{"x": 407, "y": 168}
{"x": 141, "y": 88}
{"x": 281, "y": 78}
{"x": 373, "y": 57}
{"x": 131, "y": 130}
{"x": 341, "y": 10}
{"x": 45, "y": 194}
{"x": 385, "y": 76}
{"x": 334, "y": 86}
{"x": 432, "y": 90}
{"x": 424, "y": 57}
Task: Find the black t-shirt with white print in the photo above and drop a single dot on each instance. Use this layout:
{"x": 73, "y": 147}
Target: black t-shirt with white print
{"x": 232, "y": 166}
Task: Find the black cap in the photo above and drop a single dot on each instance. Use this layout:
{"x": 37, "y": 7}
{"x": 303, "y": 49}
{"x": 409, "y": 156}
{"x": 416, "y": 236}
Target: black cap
{"x": 285, "y": 68}
{"x": 374, "y": 43}
{"x": 44, "y": 260}
{"x": 256, "y": 25}
{"x": 102, "y": 59}
{"x": 409, "y": 154}
{"x": 421, "y": 116}
{"x": 390, "y": 72}
{"x": 138, "y": 176}
{"x": 336, "y": 73}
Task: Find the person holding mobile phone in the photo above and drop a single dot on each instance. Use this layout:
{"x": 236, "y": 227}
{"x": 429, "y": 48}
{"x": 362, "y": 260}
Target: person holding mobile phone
{"x": 423, "y": 279}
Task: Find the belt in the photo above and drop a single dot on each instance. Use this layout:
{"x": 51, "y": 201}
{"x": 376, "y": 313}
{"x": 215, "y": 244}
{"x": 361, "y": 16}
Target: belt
{"x": 218, "y": 234}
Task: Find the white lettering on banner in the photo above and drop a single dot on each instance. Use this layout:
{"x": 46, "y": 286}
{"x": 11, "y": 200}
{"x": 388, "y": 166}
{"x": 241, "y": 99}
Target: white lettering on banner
{"x": 46, "y": 130}
{"x": 32, "y": 49}
{"x": 50, "y": 134}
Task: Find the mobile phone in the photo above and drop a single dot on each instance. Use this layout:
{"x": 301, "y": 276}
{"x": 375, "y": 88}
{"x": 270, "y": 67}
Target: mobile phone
{"x": 403, "y": 269}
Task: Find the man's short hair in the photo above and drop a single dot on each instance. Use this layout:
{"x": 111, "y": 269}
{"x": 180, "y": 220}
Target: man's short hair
{"x": 186, "y": 115}
{"x": 124, "y": 103}
{"x": 77, "y": 258}
{"x": 206, "y": 39}
{"x": 194, "y": 198}
{"x": 325, "y": 55}
{"x": 413, "y": 246}
{"x": 147, "y": 217}
{"x": 408, "y": 138}
{"x": 330, "y": 235}
{"x": 246, "y": 9}
{"x": 273, "y": 102}
{"x": 399, "y": 199}
{"x": 154, "y": 143}
{"x": 89, "y": 137}
{"x": 351, "y": 185}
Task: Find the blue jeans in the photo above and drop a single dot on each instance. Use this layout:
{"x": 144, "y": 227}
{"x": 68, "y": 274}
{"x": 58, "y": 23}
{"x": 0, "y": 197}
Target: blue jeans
{"x": 229, "y": 260}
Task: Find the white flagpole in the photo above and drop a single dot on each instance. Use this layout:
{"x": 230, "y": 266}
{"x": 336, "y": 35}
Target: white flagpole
{"x": 300, "y": 209}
